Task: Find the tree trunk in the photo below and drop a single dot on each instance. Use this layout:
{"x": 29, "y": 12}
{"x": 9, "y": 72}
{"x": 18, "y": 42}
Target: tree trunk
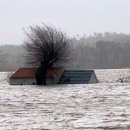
{"x": 41, "y": 75}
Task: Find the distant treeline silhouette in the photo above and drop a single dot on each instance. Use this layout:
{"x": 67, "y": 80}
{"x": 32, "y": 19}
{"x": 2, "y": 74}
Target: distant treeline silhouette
{"x": 107, "y": 50}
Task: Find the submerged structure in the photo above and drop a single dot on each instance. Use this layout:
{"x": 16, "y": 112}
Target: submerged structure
{"x": 56, "y": 75}
{"x": 78, "y": 77}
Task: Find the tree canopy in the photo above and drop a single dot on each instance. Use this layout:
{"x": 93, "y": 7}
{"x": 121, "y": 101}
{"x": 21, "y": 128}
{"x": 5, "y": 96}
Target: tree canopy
{"x": 47, "y": 44}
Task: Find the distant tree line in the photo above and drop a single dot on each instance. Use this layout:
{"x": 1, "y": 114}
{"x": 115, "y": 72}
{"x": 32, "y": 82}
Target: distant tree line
{"x": 11, "y": 57}
{"x": 107, "y": 50}
{"x": 102, "y": 50}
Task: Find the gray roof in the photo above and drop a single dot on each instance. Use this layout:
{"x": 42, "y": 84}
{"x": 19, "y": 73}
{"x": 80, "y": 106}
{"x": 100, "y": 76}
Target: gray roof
{"x": 76, "y": 76}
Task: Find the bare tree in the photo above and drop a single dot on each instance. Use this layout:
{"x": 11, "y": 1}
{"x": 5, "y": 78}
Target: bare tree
{"x": 46, "y": 46}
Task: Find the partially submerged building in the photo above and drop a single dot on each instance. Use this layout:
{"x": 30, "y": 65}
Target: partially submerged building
{"x": 56, "y": 75}
{"x": 78, "y": 77}
{"x": 26, "y": 76}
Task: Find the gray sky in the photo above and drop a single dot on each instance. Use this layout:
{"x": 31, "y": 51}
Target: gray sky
{"x": 72, "y": 16}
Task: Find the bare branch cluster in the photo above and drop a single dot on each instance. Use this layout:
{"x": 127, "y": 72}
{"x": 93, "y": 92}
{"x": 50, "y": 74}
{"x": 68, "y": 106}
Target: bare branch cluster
{"x": 47, "y": 44}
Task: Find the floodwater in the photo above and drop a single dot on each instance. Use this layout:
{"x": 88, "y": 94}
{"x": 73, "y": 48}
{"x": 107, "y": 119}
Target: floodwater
{"x": 102, "y": 106}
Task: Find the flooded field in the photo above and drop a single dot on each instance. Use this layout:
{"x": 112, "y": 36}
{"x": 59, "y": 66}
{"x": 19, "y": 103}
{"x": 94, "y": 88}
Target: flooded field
{"x": 102, "y": 106}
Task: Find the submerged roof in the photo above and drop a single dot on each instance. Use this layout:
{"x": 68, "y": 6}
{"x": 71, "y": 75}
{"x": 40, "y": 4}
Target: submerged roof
{"x": 76, "y": 76}
{"x": 30, "y": 72}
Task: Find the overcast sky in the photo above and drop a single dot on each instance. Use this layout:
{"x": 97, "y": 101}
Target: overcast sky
{"x": 72, "y": 16}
